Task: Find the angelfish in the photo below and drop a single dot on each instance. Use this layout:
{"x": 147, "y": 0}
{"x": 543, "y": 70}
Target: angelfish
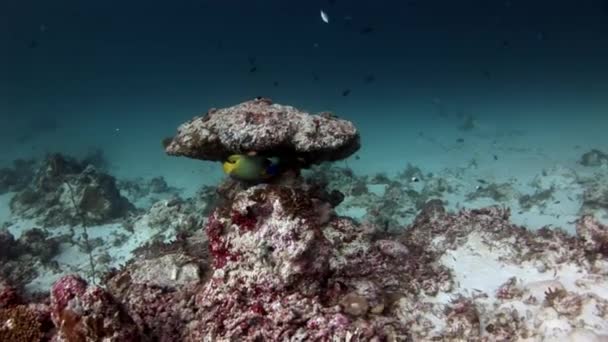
{"x": 251, "y": 168}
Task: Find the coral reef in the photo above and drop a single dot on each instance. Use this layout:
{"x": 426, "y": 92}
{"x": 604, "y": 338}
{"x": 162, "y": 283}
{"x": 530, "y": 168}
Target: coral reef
{"x": 267, "y": 128}
{"x": 275, "y": 262}
{"x": 18, "y": 177}
{"x": 88, "y": 313}
{"x": 66, "y": 191}
{"x": 282, "y": 270}
{"x": 140, "y": 190}
{"x": 21, "y": 258}
{"x": 594, "y": 157}
{"x": 19, "y": 324}
{"x": 595, "y": 196}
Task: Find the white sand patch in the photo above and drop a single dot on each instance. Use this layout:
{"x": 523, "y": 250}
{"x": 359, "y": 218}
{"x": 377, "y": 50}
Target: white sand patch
{"x": 479, "y": 268}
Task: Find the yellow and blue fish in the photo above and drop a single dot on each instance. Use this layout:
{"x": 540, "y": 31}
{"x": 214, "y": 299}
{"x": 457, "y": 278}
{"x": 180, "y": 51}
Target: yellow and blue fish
{"x": 251, "y": 168}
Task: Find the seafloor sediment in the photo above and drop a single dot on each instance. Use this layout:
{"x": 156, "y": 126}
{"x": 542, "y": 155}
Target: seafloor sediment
{"x": 281, "y": 260}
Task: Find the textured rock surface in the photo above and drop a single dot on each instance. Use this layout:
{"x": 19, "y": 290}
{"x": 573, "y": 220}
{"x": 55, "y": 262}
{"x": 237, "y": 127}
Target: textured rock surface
{"x": 158, "y": 292}
{"x": 283, "y": 272}
{"x": 267, "y": 128}
{"x": 17, "y": 177}
{"x": 21, "y": 259}
{"x": 64, "y": 189}
{"x": 88, "y": 313}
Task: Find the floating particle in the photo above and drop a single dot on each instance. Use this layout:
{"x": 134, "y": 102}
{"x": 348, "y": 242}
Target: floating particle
{"x": 253, "y": 69}
{"x": 324, "y": 17}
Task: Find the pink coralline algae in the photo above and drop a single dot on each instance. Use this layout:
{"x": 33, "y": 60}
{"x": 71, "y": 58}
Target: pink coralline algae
{"x": 286, "y": 279}
{"x": 261, "y": 126}
{"x": 88, "y": 313}
{"x": 8, "y": 295}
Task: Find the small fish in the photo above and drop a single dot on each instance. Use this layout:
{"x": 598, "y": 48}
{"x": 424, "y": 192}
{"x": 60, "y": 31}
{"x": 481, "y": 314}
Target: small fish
{"x": 368, "y": 79}
{"x": 366, "y": 30}
{"x": 253, "y": 69}
{"x": 324, "y": 17}
{"x": 540, "y": 36}
{"x": 346, "y": 92}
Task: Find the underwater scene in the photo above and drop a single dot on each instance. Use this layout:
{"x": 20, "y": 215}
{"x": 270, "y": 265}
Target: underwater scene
{"x": 323, "y": 170}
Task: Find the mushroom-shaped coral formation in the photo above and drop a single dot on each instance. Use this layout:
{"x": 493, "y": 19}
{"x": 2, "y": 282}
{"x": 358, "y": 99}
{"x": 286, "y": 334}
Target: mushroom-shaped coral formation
{"x": 266, "y": 128}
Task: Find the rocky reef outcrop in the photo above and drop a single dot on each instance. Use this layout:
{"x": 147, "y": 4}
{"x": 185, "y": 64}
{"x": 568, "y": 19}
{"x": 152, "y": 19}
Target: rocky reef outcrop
{"x": 16, "y": 178}
{"x": 67, "y": 191}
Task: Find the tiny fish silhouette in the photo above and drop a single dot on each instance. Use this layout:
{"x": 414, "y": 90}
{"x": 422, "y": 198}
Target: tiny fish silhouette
{"x": 346, "y": 92}
{"x": 369, "y": 79}
{"x": 253, "y": 69}
{"x": 366, "y": 30}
